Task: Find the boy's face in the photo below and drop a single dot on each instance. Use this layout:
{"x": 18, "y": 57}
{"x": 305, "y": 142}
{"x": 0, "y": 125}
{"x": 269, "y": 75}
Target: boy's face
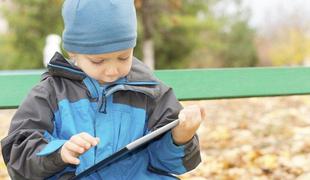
{"x": 105, "y": 67}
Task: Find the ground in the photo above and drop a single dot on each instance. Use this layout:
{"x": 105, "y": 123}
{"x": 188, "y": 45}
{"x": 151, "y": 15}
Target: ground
{"x": 242, "y": 139}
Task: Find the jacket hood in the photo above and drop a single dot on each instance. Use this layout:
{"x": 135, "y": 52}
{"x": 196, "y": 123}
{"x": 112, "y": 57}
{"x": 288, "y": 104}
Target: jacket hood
{"x": 139, "y": 79}
{"x": 59, "y": 66}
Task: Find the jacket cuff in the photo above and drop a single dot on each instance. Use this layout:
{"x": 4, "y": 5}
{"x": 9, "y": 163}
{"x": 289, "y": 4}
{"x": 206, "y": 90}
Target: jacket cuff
{"x": 51, "y": 147}
{"x": 171, "y": 149}
{"x": 56, "y": 159}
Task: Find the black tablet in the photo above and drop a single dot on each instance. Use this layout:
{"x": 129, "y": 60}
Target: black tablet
{"x": 128, "y": 148}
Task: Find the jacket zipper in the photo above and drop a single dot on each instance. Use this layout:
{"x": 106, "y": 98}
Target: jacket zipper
{"x": 102, "y": 105}
{"x": 103, "y": 102}
{"x": 95, "y": 135}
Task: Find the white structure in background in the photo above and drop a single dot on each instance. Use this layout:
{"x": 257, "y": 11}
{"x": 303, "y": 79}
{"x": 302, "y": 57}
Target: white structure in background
{"x": 3, "y": 23}
{"x": 52, "y": 44}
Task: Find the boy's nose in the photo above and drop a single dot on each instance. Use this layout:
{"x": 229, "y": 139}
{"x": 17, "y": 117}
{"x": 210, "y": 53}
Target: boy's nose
{"x": 111, "y": 72}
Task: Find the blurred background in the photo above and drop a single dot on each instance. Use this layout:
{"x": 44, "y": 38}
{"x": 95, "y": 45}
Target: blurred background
{"x": 177, "y": 33}
{"x": 253, "y": 138}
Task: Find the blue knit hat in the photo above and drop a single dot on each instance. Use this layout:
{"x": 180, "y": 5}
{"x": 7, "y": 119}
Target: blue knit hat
{"x": 99, "y": 26}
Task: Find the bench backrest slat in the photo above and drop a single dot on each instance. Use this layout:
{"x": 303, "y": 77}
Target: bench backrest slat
{"x": 237, "y": 82}
{"x": 191, "y": 84}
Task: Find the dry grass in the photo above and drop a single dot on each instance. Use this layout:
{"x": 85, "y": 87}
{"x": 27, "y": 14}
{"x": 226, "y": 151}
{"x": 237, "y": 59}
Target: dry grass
{"x": 254, "y": 138}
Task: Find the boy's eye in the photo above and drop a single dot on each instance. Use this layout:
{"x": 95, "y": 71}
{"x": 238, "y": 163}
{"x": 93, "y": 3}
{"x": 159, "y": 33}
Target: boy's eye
{"x": 96, "y": 62}
{"x": 123, "y": 58}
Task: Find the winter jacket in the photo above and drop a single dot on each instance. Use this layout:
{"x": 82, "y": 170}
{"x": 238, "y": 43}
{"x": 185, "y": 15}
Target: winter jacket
{"x": 67, "y": 102}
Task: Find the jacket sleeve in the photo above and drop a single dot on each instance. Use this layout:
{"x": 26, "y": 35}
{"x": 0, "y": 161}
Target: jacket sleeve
{"x": 164, "y": 154}
{"x": 26, "y": 138}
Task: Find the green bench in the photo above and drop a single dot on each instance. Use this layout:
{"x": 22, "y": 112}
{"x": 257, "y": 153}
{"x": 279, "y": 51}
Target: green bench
{"x": 190, "y": 84}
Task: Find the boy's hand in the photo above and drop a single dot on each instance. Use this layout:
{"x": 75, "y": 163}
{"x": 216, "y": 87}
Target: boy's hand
{"x": 77, "y": 145}
{"x": 190, "y": 119}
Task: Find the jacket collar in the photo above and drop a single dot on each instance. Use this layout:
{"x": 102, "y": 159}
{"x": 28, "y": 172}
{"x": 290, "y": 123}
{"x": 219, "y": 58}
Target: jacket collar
{"x": 140, "y": 77}
{"x": 59, "y": 66}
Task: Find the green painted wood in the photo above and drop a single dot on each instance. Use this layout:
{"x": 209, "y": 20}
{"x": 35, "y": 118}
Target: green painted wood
{"x": 192, "y": 84}
{"x": 237, "y": 82}
{"x": 15, "y": 85}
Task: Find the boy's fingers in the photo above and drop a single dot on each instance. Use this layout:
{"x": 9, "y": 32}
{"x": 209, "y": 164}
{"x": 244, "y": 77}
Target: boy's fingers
{"x": 69, "y": 158}
{"x": 78, "y": 140}
{"x": 92, "y": 140}
{"x": 182, "y": 116}
{"x": 195, "y": 110}
{"x": 74, "y": 148}
{"x": 191, "y": 117}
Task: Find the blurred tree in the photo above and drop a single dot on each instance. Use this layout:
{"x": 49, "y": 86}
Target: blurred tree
{"x": 148, "y": 10}
{"x": 180, "y": 33}
{"x": 168, "y": 31}
{"x": 29, "y": 23}
{"x": 189, "y": 33}
{"x": 238, "y": 46}
{"x": 228, "y": 40}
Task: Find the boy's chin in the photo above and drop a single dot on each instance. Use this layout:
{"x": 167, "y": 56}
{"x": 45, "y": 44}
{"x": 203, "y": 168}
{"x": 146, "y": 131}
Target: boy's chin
{"x": 109, "y": 80}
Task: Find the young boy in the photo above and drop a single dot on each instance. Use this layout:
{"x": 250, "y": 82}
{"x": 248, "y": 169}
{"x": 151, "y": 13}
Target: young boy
{"x": 82, "y": 112}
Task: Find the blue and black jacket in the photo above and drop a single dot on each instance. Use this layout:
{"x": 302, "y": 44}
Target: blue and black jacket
{"x": 67, "y": 102}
